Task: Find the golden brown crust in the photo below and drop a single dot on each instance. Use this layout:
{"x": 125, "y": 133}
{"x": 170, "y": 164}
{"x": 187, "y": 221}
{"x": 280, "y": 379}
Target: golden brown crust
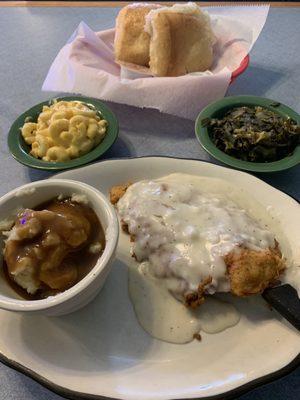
{"x": 131, "y": 41}
{"x": 118, "y": 191}
{"x": 197, "y": 336}
{"x": 194, "y": 299}
{"x": 160, "y": 46}
{"x": 251, "y": 272}
{"x": 180, "y": 44}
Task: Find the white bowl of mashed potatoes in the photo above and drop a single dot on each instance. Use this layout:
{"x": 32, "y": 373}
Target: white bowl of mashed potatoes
{"x": 58, "y": 239}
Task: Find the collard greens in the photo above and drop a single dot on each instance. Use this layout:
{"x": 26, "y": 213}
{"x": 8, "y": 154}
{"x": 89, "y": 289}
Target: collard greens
{"x": 254, "y": 134}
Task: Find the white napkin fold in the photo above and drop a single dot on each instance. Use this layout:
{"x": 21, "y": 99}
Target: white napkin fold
{"x": 85, "y": 65}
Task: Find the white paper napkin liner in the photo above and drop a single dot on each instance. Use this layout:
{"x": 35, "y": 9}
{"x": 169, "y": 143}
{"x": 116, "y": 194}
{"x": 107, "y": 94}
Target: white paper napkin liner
{"x": 85, "y": 65}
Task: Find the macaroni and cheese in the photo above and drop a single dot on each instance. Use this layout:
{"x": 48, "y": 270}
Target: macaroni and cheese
{"x": 64, "y": 130}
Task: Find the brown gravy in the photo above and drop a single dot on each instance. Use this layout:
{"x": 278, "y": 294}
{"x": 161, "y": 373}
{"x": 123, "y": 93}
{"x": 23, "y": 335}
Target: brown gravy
{"x": 79, "y": 257}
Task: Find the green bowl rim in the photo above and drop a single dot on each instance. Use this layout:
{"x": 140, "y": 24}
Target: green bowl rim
{"x": 235, "y": 101}
{"x": 16, "y": 142}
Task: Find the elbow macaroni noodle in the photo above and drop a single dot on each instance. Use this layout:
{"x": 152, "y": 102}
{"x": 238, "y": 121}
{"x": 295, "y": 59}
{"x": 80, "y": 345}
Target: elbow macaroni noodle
{"x": 64, "y": 130}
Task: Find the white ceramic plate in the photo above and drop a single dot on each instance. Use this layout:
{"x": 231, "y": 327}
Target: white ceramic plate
{"x": 101, "y": 351}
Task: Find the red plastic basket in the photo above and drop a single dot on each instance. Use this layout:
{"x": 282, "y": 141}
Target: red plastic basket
{"x": 242, "y": 68}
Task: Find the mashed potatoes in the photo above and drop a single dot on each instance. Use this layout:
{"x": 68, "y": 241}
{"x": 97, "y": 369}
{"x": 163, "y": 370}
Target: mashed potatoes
{"x": 51, "y": 248}
{"x": 63, "y": 131}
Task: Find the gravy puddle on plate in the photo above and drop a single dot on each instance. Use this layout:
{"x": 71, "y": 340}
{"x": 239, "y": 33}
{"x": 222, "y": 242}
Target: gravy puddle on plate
{"x": 166, "y": 318}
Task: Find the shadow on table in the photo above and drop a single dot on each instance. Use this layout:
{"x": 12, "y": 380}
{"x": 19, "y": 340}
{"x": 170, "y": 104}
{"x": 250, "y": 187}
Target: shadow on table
{"x": 120, "y": 149}
{"x": 36, "y": 174}
{"x": 29, "y": 389}
{"x": 288, "y": 181}
{"x": 150, "y": 122}
{"x": 255, "y": 81}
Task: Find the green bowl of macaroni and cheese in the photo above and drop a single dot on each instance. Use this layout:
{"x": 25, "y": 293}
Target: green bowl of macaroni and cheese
{"x": 63, "y": 133}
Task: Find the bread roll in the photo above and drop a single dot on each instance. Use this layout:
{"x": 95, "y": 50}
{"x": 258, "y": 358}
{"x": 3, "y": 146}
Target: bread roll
{"x": 172, "y": 41}
{"x": 180, "y": 43}
{"x": 131, "y": 40}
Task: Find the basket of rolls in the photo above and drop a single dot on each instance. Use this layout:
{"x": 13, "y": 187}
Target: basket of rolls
{"x": 176, "y": 59}
{"x": 164, "y": 41}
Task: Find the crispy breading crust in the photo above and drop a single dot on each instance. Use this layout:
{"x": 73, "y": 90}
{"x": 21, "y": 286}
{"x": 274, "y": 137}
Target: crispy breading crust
{"x": 118, "y": 191}
{"x": 251, "y": 272}
{"x": 194, "y": 299}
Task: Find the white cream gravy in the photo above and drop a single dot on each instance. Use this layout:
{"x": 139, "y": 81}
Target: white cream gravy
{"x": 183, "y": 226}
{"x": 166, "y": 318}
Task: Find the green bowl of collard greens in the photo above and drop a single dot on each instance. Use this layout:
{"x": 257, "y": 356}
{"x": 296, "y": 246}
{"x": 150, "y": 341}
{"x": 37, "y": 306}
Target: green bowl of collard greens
{"x": 250, "y": 133}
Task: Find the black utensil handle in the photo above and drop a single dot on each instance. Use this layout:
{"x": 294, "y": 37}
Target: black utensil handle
{"x": 286, "y": 301}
